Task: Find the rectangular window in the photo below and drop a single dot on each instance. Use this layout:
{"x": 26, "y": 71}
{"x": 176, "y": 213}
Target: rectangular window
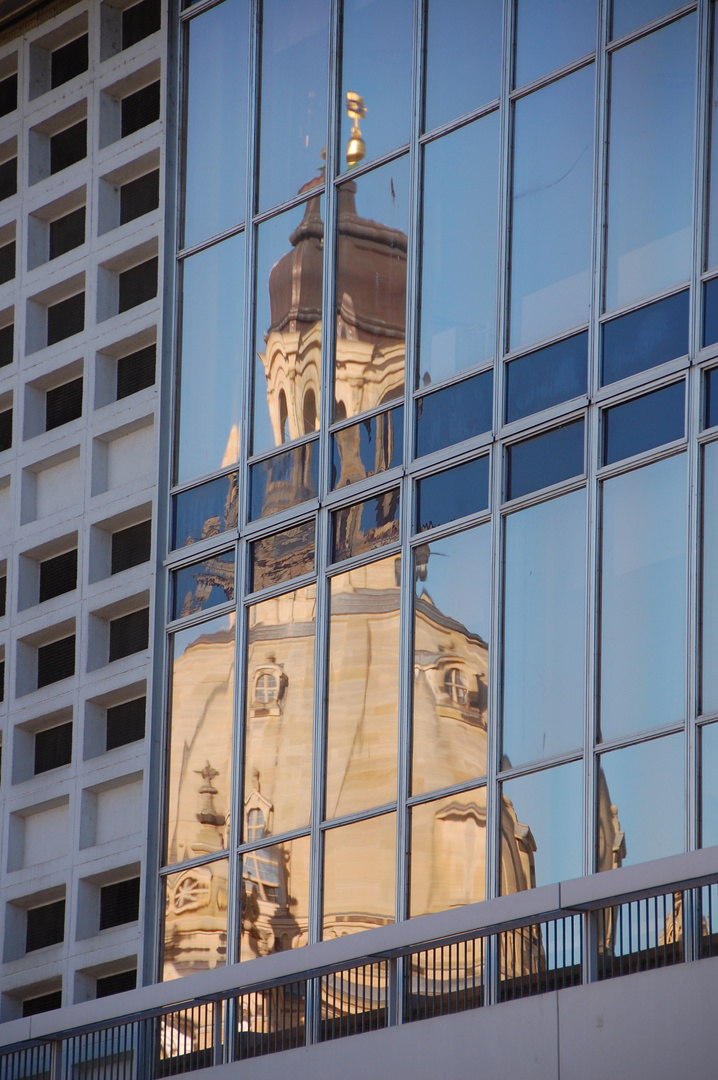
{"x": 138, "y": 284}
{"x": 45, "y": 926}
{"x": 42, "y": 1003}
{"x": 7, "y": 262}
{"x": 140, "y": 109}
{"x": 67, "y": 232}
{"x": 366, "y": 525}
{"x": 643, "y": 423}
{"x": 547, "y": 377}
{"x": 131, "y": 546}
{"x": 68, "y": 61}
{"x": 8, "y": 94}
{"x": 3, "y": 594}
{"x": 282, "y": 556}
{"x": 119, "y": 903}
{"x": 7, "y": 344}
{"x": 129, "y": 634}
{"x": 56, "y": 661}
{"x": 63, "y": 403}
{"x": 116, "y": 984}
{"x": 66, "y": 318}
{"x": 644, "y": 338}
{"x": 8, "y": 178}
{"x": 136, "y": 371}
{"x": 367, "y": 448}
{"x": 125, "y": 723}
{"x": 545, "y": 459}
{"x": 452, "y": 494}
{"x": 207, "y": 510}
{"x": 140, "y": 196}
{"x": 68, "y": 147}
{"x": 5, "y": 429}
{"x": 138, "y": 22}
{"x": 203, "y": 585}
{"x": 58, "y": 575}
{"x": 53, "y": 748}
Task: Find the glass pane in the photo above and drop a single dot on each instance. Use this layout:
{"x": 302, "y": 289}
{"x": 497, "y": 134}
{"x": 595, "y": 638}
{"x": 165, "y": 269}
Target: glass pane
{"x": 458, "y": 412}
{"x": 643, "y": 598}
{"x": 282, "y": 556}
{"x": 359, "y": 876}
{"x": 376, "y": 66}
{"x": 628, "y": 15}
{"x": 365, "y": 526}
{"x": 283, "y": 480}
{"x": 203, "y": 585}
{"x": 205, "y": 511}
{"x": 363, "y": 688}
{"x": 541, "y": 828}
{"x": 195, "y": 930}
{"x": 709, "y": 604}
{"x": 452, "y": 619}
{"x": 216, "y": 146}
{"x": 279, "y": 713}
{"x": 643, "y": 423}
{"x": 551, "y": 209}
{"x": 546, "y": 377}
{"x": 469, "y": 31}
{"x": 458, "y": 278}
{"x": 709, "y": 788}
{"x": 371, "y": 289}
{"x": 640, "y": 803}
{"x": 544, "y": 630}
{"x": 288, "y": 326}
{"x": 651, "y": 123}
{"x": 546, "y": 459}
{"x": 710, "y": 403}
{"x": 539, "y": 48}
{"x": 452, "y": 494}
{"x": 368, "y": 448}
{"x": 200, "y": 739}
{"x": 209, "y": 408}
{"x": 448, "y": 853}
{"x": 293, "y": 117}
{"x": 645, "y": 338}
{"x": 275, "y": 908}
{"x": 710, "y": 312}
{"x": 711, "y": 257}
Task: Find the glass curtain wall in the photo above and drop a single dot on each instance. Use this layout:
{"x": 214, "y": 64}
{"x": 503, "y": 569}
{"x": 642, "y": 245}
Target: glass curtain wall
{"x": 444, "y": 472}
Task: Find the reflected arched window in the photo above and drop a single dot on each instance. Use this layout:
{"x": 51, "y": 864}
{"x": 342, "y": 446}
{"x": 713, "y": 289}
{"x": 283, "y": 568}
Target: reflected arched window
{"x": 283, "y": 417}
{"x": 456, "y": 685}
{"x": 266, "y": 688}
{"x": 310, "y": 412}
{"x": 255, "y": 825}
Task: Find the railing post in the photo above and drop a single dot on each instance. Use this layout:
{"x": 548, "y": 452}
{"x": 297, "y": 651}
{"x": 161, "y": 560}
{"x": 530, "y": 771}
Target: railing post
{"x": 395, "y": 997}
{"x": 217, "y": 1032}
{"x": 589, "y": 951}
{"x": 56, "y": 1060}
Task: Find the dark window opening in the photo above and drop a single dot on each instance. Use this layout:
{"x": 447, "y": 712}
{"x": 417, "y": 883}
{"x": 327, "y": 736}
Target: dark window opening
{"x": 68, "y": 146}
{"x": 7, "y": 344}
{"x": 45, "y": 926}
{"x": 3, "y": 594}
{"x": 66, "y": 318}
{"x": 138, "y": 284}
{"x": 5, "y": 429}
{"x": 140, "y": 109}
{"x": 129, "y": 634}
{"x": 8, "y": 178}
{"x": 116, "y": 984}
{"x": 53, "y": 748}
{"x": 139, "y": 21}
{"x": 58, "y": 575}
{"x": 2, "y": 681}
{"x": 136, "y": 371}
{"x": 67, "y": 232}
{"x": 131, "y": 546}
{"x": 68, "y": 61}
{"x": 63, "y": 404}
{"x": 56, "y": 661}
{"x": 125, "y": 723}
{"x": 7, "y": 262}
{"x": 139, "y": 196}
{"x": 119, "y": 903}
{"x": 8, "y": 94}
{"x": 42, "y": 1003}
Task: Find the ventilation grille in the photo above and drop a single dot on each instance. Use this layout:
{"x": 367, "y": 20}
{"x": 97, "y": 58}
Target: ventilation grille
{"x": 129, "y": 634}
{"x": 68, "y": 61}
{"x": 66, "y": 318}
{"x": 8, "y": 94}
{"x": 58, "y": 575}
{"x": 140, "y": 109}
{"x": 116, "y": 984}
{"x": 42, "y": 1003}
{"x": 63, "y": 404}
{"x": 7, "y": 262}
{"x": 56, "y": 661}
{"x": 136, "y": 371}
{"x": 139, "y": 196}
{"x": 138, "y": 284}
{"x": 131, "y": 546}
{"x": 45, "y": 926}
{"x": 53, "y": 748}
{"x": 6, "y": 429}
{"x": 140, "y": 21}
{"x": 67, "y": 232}
{"x": 8, "y": 178}
{"x": 7, "y": 344}
{"x": 119, "y": 903}
{"x": 68, "y": 146}
{"x": 125, "y": 723}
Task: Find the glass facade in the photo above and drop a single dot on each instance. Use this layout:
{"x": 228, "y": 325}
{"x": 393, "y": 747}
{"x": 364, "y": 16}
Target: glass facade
{"x": 444, "y": 484}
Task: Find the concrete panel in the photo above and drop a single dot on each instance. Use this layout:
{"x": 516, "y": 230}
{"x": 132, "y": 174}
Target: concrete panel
{"x": 47, "y": 835}
{"x": 119, "y": 812}
{"x": 130, "y": 456}
{"x": 58, "y": 487}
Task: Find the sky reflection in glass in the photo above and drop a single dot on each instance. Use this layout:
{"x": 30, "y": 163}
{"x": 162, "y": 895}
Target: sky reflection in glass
{"x": 469, "y": 31}
{"x": 549, "y": 804}
{"x": 539, "y": 48}
{"x": 709, "y": 637}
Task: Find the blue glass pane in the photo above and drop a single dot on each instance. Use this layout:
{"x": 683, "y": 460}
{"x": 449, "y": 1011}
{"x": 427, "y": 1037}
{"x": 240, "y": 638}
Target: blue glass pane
{"x": 458, "y": 412}
{"x": 709, "y": 582}
{"x": 367, "y": 448}
{"x": 283, "y": 480}
{"x": 711, "y": 258}
{"x": 203, "y": 585}
{"x": 710, "y": 312}
{"x": 645, "y": 338}
{"x": 630, "y": 14}
{"x": 452, "y": 494}
{"x": 365, "y": 525}
{"x": 548, "y": 805}
{"x": 709, "y": 794}
{"x": 469, "y": 31}
{"x": 205, "y": 511}
{"x": 643, "y": 423}
{"x": 546, "y": 459}
{"x": 539, "y": 49}
{"x": 710, "y": 414}
{"x": 546, "y": 377}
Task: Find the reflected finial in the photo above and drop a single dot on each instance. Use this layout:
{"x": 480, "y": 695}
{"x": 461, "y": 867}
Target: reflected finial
{"x": 356, "y": 111}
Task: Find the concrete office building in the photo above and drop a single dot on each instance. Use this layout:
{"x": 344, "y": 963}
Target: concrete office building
{"x": 410, "y": 549}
